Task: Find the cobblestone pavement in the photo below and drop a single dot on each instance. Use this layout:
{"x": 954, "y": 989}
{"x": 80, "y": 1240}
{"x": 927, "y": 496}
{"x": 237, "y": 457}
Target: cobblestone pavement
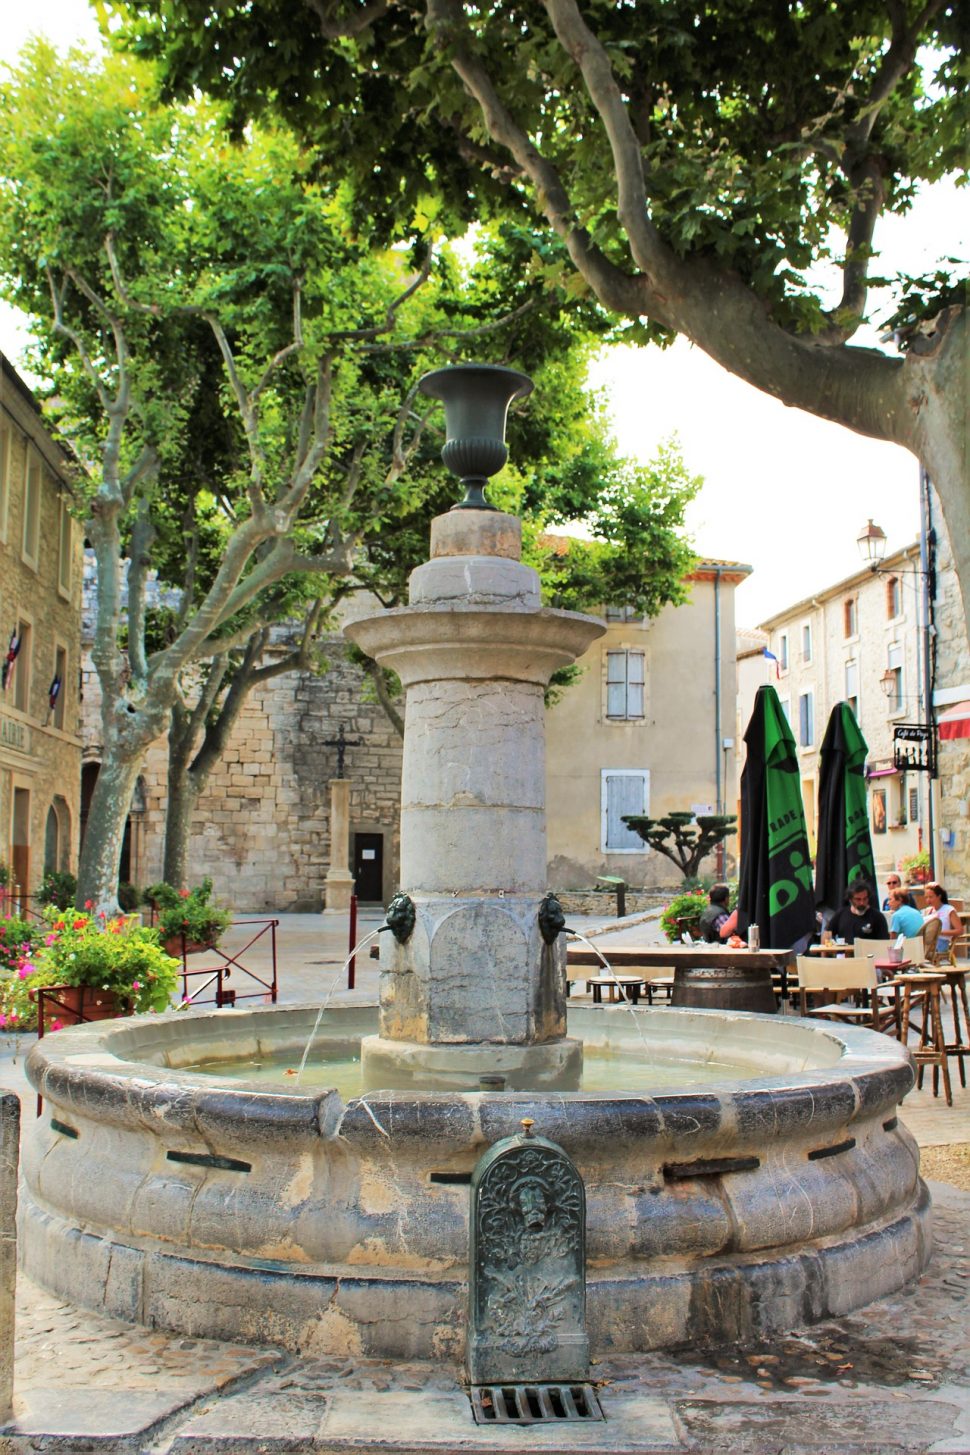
{"x": 891, "y": 1378}
{"x": 894, "y": 1377}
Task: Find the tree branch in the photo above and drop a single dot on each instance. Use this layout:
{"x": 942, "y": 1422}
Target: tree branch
{"x": 333, "y": 29}
{"x": 450, "y": 33}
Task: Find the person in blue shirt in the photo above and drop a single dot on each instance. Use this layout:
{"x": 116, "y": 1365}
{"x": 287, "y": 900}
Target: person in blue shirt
{"x": 904, "y": 919}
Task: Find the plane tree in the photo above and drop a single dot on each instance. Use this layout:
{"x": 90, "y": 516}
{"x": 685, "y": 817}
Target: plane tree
{"x": 716, "y": 171}
{"x": 236, "y": 365}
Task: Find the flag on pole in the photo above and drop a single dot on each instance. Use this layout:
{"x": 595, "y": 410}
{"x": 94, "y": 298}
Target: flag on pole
{"x": 9, "y": 659}
{"x": 772, "y": 658}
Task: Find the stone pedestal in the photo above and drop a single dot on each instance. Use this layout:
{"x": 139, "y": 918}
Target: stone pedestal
{"x": 475, "y": 650}
{"x": 9, "y": 1162}
{"x": 339, "y": 883}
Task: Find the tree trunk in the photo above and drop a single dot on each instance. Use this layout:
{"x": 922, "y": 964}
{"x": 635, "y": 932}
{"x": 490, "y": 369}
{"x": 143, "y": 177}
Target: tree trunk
{"x": 105, "y": 831}
{"x": 180, "y": 804}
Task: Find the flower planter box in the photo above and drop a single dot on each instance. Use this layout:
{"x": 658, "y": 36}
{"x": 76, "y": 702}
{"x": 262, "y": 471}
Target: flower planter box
{"x": 74, "y": 1005}
{"x": 174, "y": 946}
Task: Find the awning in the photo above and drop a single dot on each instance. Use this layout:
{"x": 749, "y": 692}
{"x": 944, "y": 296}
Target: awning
{"x": 954, "y": 722}
{"x": 872, "y": 772}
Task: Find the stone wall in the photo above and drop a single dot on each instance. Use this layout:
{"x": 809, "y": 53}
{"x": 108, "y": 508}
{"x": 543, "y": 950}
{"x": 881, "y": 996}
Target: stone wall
{"x": 952, "y": 679}
{"x": 591, "y": 901}
{"x": 9, "y": 1163}
{"x": 262, "y": 827}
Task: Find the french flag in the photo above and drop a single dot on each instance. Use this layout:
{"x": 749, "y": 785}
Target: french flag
{"x": 772, "y": 658}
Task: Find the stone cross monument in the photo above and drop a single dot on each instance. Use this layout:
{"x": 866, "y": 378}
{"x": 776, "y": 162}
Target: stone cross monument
{"x": 474, "y": 990}
{"x": 339, "y": 883}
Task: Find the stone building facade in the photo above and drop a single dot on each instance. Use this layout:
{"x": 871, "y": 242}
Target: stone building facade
{"x": 261, "y": 829}
{"x": 648, "y": 728}
{"x": 40, "y": 619}
{"x": 851, "y": 642}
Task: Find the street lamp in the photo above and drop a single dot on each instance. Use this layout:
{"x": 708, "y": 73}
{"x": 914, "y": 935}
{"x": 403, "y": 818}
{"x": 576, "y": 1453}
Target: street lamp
{"x": 871, "y": 541}
{"x": 888, "y": 682}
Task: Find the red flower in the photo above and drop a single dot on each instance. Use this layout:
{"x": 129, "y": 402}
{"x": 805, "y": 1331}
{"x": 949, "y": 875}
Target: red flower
{"x": 184, "y": 893}
{"x": 79, "y": 923}
{"x": 89, "y": 904}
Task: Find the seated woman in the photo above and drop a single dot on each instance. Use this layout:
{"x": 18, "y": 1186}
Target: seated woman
{"x": 939, "y": 907}
{"x": 905, "y": 920}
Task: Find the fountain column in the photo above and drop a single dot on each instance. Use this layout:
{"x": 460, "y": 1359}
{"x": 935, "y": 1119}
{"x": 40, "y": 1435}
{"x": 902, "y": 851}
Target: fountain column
{"x": 475, "y": 990}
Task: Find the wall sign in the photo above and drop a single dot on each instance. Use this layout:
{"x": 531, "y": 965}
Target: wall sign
{"x": 14, "y": 734}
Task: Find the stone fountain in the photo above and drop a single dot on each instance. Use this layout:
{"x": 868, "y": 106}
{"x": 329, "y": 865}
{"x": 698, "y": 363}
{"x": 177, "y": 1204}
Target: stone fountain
{"x": 162, "y": 1189}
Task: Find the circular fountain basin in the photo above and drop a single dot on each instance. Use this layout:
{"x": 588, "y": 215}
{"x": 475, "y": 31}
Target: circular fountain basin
{"x": 773, "y": 1187}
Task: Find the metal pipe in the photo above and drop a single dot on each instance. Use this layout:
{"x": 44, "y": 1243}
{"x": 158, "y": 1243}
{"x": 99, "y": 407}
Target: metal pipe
{"x": 928, "y": 568}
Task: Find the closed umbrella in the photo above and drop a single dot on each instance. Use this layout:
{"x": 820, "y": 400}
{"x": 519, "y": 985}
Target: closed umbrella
{"x": 775, "y": 881}
{"x": 844, "y": 843}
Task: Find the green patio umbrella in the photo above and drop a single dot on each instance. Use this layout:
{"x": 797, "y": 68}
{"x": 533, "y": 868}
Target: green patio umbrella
{"x": 844, "y": 843}
{"x": 775, "y": 881}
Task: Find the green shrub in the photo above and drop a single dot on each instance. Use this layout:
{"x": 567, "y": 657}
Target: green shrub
{"x": 129, "y": 897}
{"x": 59, "y": 888}
{"x": 688, "y": 906}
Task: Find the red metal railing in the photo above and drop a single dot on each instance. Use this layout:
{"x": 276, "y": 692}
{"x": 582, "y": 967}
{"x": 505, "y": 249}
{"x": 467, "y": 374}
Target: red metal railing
{"x": 217, "y": 975}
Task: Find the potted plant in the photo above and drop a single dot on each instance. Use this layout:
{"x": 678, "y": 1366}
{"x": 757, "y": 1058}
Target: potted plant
{"x": 683, "y": 914}
{"x": 95, "y": 968}
{"x": 192, "y": 922}
{"x": 16, "y": 948}
{"x": 916, "y": 867}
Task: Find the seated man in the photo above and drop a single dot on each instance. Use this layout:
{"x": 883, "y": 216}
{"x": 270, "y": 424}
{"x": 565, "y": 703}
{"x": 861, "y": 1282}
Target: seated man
{"x": 894, "y": 882}
{"x": 904, "y": 919}
{"x": 716, "y": 922}
{"x": 859, "y": 919}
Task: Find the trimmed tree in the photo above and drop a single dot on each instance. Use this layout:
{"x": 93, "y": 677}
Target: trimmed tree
{"x": 685, "y": 840}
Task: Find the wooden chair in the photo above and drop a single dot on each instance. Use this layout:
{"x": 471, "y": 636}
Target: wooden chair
{"x": 818, "y": 978}
{"x": 935, "y": 955}
{"x": 931, "y": 1049}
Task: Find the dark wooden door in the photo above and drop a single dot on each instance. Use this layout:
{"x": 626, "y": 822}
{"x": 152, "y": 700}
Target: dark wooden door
{"x": 369, "y": 867}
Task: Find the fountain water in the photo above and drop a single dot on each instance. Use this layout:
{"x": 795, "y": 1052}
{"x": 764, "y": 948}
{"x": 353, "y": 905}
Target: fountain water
{"x": 784, "y": 1191}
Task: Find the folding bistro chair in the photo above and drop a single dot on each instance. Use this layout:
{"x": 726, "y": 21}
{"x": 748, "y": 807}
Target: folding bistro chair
{"x": 857, "y": 977}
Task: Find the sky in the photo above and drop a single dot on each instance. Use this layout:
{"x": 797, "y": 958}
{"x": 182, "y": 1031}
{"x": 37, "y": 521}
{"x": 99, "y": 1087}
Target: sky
{"x": 784, "y": 492}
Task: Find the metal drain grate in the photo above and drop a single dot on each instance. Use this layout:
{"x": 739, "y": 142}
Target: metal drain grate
{"x": 533, "y": 1404}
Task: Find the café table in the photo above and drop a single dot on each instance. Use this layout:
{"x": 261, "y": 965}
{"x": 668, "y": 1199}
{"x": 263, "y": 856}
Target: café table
{"x": 710, "y": 976}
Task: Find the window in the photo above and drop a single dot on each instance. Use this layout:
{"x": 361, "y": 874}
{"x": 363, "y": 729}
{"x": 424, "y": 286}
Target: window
{"x": 850, "y": 617}
{"x": 806, "y": 641}
{"x": 786, "y": 706}
{"x": 896, "y": 668}
{"x": 806, "y": 719}
{"x": 852, "y": 686}
{"x": 21, "y": 668}
{"x": 622, "y": 613}
{"x": 783, "y": 652}
{"x": 894, "y": 598}
{"x": 623, "y": 790}
{"x": 64, "y": 552}
{"x": 6, "y": 460}
{"x": 32, "y": 490}
{"x": 58, "y": 688}
{"x": 624, "y": 685}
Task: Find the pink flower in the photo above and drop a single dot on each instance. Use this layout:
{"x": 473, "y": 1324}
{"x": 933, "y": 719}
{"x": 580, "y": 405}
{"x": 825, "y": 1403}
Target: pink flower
{"x": 56, "y": 1025}
{"x": 3, "y": 1020}
{"x": 24, "y": 971}
{"x": 49, "y": 939}
{"x": 136, "y": 985}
